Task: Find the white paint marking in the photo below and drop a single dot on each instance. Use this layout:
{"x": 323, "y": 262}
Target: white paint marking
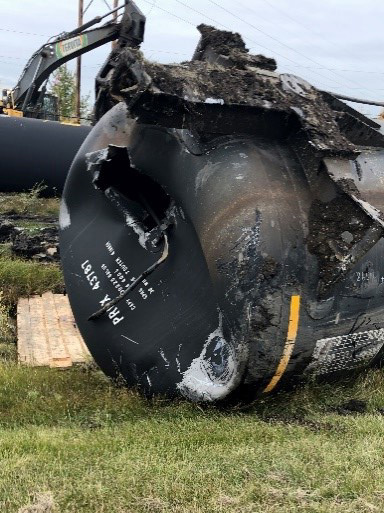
{"x": 220, "y": 101}
{"x": 130, "y": 339}
{"x": 64, "y": 217}
{"x": 164, "y": 357}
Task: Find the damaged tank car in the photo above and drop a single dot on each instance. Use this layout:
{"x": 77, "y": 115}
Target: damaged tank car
{"x": 221, "y": 227}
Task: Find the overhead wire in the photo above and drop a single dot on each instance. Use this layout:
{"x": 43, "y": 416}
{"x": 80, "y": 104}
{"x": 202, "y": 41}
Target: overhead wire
{"x": 278, "y": 9}
{"x": 88, "y": 6}
{"x": 281, "y": 42}
{"x": 22, "y": 32}
{"x": 320, "y": 66}
{"x": 293, "y": 63}
{"x": 107, "y": 4}
{"x": 374, "y": 72}
{"x": 151, "y": 8}
{"x": 299, "y": 23}
{"x": 245, "y": 37}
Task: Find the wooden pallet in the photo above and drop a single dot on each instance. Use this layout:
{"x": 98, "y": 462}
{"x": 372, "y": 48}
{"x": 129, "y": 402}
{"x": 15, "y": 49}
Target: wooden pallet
{"x": 47, "y": 332}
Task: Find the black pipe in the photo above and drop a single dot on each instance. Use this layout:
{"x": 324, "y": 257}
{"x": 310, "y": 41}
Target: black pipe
{"x": 35, "y": 151}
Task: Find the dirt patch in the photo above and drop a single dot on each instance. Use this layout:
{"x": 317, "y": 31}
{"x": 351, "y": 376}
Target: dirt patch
{"x": 349, "y": 187}
{"x": 7, "y": 230}
{"x": 42, "y": 503}
{"x": 38, "y": 243}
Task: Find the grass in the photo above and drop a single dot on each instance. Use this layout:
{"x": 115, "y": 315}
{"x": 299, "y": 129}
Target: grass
{"x": 31, "y": 226}
{"x": 72, "y": 442}
{"x": 29, "y": 202}
{"x": 93, "y": 447}
{"x": 24, "y": 278}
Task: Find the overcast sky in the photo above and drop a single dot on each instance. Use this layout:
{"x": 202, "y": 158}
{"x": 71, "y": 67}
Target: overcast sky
{"x": 334, "y": 44}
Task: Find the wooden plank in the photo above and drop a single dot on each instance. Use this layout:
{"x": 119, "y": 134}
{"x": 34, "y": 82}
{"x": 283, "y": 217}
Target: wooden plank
{"x": 47, "y": 332}
{"x": 41, "y": 351}
{"x": 59, "y": 355}
{"x": 73, "y": 340}
{"x": 23, "y": 331}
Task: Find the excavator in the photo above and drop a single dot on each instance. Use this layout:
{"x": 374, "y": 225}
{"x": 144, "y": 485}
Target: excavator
{"x": 50, "y": 145}
{"x": 29, "y": 98}
{"x": 221, "y": 226}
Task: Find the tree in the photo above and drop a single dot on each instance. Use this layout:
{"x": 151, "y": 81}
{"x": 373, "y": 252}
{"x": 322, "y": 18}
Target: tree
{"x": 63, "y": 85}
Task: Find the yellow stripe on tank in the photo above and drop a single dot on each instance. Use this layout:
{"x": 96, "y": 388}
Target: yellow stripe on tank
{"x": 293, "y": 325}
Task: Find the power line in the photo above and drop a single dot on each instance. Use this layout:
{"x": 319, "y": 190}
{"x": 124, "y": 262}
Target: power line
{"x": 88, "y": 6}
{"x": 13, "y": 57}
{"x": 20, "y": 32}
{"x": 343, "y": 70}
{"x": 154, "y": 5}
{"x": 151, "y": 8}
{"x": 278, "y": 41}
{"x": 169, "y": 12}
{"x": 247, "y": 38}
{"x": 294, "y": 63}
{"x": 106, "y": 3}
{"x": 278, "y": 9}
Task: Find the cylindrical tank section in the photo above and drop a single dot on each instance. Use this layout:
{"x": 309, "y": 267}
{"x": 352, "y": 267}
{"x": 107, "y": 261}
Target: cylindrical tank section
{"x": 36, "y": 151}
{"x": 251, "y": 267}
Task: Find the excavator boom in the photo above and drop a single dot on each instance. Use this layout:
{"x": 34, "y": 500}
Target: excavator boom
{"x": 26, "y": 95}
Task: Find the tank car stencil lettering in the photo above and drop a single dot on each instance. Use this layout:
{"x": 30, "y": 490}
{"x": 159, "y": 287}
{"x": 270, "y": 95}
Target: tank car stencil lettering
{"x": 90, "y": 275}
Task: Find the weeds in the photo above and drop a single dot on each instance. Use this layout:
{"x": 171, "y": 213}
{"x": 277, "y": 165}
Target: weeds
{"x": 29, "y": 203}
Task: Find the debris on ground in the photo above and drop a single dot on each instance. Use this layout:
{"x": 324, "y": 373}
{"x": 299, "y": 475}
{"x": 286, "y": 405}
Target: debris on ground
{"x": 39, "y": 243}
{"x": 352, "y": 406}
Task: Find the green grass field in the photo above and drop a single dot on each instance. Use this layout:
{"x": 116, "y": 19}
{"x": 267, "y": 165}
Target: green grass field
{"x": 74, "y": 440}
{"x": 70, "y": 441}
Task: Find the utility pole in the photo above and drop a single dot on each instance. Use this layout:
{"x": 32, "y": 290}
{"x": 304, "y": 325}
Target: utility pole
{"x": 115, "y": 4}
{"x": 78, "y": 65}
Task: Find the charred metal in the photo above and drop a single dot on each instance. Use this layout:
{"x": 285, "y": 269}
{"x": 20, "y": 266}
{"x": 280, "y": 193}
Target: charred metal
{"x": 267, "y": 191}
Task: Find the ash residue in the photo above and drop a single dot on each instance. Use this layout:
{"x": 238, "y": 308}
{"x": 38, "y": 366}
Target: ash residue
{"x": 334, "y": 228}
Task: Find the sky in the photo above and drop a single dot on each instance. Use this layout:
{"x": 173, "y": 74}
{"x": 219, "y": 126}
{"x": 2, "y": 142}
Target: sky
{"x": 336, "y": 45}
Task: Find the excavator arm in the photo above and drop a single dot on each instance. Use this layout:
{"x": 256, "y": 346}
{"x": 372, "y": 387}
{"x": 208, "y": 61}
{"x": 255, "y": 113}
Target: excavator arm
{"x": 26, "y": 96}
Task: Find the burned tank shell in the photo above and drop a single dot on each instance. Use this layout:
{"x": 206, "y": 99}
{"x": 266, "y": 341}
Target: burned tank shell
{"x": 271, "y": 269}
{"x": 36, "y": 151}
